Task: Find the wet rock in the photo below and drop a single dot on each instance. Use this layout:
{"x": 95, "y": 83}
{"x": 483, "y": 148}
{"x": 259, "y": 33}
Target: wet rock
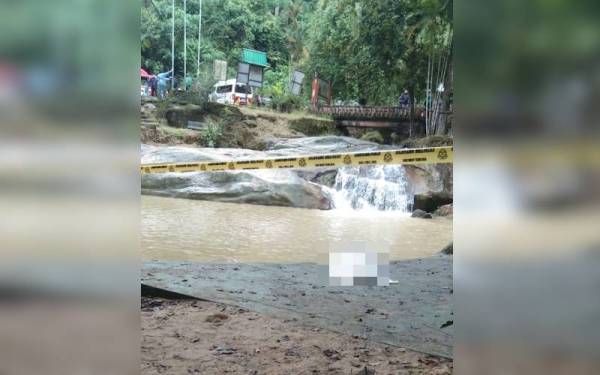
{"x": 318, "y": 145}
{"x": 321, "y": 176}
{"x": 421, "y": 214}
{"x": 445, "y": 210}
{"x": 430, "y": 178}
{"x": 266, "y": 187}
{"x": 431, "y": 201}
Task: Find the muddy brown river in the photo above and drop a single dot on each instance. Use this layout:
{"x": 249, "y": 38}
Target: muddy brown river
{"x": 183, "y": 229}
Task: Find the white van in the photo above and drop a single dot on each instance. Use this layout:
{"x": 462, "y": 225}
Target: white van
{"x": 231, "y": 92}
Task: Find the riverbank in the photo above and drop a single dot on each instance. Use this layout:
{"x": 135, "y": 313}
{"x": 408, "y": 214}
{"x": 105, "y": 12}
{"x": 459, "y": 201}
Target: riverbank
{"x": 201, "y": 337}
{"x": 166, "y": 121}
{"x": 416, "y": 313}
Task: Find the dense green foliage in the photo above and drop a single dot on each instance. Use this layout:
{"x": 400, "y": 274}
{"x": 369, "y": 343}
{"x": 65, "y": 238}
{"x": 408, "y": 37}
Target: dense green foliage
{"x": 369, "y": 49}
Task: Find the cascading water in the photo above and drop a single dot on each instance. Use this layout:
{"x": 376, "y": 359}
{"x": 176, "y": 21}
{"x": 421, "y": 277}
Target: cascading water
{"x": 380, "y": 187}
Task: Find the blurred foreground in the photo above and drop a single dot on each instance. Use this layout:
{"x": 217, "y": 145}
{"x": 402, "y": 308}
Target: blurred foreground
{"x": 526, "y": 188}
{"x": 69, "y": 190}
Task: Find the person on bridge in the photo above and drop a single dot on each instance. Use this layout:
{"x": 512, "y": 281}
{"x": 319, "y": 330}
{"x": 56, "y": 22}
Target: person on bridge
{"x": 404, "y": 100}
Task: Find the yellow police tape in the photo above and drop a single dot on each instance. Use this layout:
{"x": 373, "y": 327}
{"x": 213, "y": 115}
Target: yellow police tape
{"x": 405, "y": 156}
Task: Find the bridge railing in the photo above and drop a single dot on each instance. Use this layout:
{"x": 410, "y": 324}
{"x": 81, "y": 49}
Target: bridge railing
{"x": 367, "y": 112}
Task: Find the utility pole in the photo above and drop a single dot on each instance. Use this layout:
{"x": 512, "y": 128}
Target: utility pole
{"x": 199, "y": 36}
{"x": 184, "y": 44}
{"x": 172, "y": 46}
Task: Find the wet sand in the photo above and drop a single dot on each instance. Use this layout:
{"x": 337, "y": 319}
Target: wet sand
{"x": 201, "y": 337}
{"x": 415, "y": 314}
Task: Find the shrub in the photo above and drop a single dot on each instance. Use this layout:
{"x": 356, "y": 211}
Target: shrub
{"x": 286, "y": 103}
{"x": 211, "y": 136}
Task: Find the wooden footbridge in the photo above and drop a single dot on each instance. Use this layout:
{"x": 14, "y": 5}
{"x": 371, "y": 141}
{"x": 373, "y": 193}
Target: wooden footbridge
{"x": 369, "y": 116}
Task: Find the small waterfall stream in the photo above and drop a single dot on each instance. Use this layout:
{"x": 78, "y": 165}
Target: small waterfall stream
{"x": 380, "y": 187}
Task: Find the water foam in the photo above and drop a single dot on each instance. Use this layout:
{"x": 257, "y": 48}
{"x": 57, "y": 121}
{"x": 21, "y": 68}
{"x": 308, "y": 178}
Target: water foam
{"x": 373, "y": 188}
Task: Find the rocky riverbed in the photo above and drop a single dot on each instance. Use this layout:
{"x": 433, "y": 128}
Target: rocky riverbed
{"x": 304, "y": 188}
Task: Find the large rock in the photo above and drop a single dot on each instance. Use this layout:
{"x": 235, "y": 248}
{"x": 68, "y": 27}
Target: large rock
{"x": 258, "y": 187}
{"x": 321, "y": 176}
{"x": 430, "y": 177}
{"x": 179, "y": 115}
{"x": 319, "y": 145}
{"x": 430, "y": 202}
{"x": 427, "y": 178}
{"x": 266, "y": 187}
{"x": 421, "y": 214}
{"x": 445, "y": 210}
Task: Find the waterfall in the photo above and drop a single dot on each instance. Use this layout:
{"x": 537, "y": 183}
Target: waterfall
{"x": 378, "y": 187}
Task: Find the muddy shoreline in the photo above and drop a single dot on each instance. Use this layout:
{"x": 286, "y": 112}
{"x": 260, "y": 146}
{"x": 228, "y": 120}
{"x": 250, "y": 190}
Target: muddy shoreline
{"x": 187, "y": 336}
{"x": 414, "y": 316}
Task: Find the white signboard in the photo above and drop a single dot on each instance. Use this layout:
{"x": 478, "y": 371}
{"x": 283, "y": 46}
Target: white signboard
{"x": 296, "y": 82}
{"x": 220, "y": 70}
{"x": 250, "y": 74}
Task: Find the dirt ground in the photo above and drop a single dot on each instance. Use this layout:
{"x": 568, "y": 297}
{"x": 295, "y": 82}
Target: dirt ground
{"x": 200, "y": 337}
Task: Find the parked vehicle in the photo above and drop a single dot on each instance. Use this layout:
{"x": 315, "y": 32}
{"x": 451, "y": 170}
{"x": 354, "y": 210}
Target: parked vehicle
{"x": 231, "y": 92}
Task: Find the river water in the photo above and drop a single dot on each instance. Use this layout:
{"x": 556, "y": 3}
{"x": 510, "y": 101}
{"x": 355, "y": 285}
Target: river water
{"x": 184, "y": 229}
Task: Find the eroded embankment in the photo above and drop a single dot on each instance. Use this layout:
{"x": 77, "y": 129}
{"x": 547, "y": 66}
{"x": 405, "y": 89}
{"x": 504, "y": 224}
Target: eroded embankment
{"x": 166, "y": 122}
